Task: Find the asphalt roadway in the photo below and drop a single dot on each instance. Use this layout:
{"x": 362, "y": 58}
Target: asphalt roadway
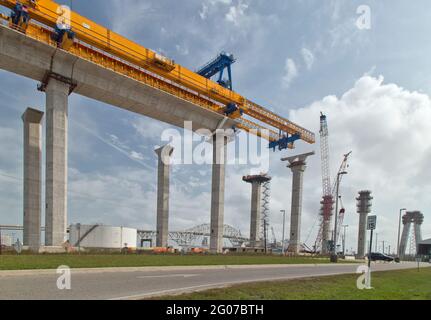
{"x": 141, "y": 283}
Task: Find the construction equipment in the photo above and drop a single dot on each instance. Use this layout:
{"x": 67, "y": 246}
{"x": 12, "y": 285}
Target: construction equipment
{"x": 266, "y": 200}
{"x": 319, "y": 241}
{"x": 217, "y": 66}
{"x": 341, "y": 215}
{"x": 91, "y": 41}
{"x": 327, "y": 199}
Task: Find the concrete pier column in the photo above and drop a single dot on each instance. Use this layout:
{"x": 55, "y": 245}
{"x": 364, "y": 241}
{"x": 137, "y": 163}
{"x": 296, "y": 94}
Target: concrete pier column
{"x": 362, "y": 235}
{"x": 363, "y": 209}
{"x": 298, "y": 166}
{"x": 57, "y": 94}
{"x": 164, "y": 154}
{"x": 217, "y": 192}
{"x": 32, "y": 177}
{"x": 256, "y": 207}
{"x": 256, "y": 192}
{"x": 405, "y": 236}
{"x": 415, "y": 218}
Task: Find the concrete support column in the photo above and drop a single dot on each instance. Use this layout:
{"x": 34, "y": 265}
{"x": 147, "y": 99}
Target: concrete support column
{"x": 164, "y": 154}
{"x": 255, "y": 219}
{"x": 405, "y": 237}
{"x": 57, "y": 94}
{"x": 298, "y": 169}
{"x": 256, "y": 182}
{"x": 362, "y": 235}
{"x": 298, "y": 166}
{"x": 32, "y": 177}
{"x": 363, "y": 208}
{"x": 217, "y": 192}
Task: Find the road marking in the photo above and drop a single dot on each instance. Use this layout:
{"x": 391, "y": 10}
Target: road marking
{"x": 170, "y": 276}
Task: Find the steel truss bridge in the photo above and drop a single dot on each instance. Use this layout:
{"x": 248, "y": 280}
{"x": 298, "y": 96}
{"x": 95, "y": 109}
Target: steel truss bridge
{"x": 196, "y": 235}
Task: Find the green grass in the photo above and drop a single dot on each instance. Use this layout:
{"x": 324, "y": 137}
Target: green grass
{"x": 26, "y": 262}
{"x": 389, "y": 285}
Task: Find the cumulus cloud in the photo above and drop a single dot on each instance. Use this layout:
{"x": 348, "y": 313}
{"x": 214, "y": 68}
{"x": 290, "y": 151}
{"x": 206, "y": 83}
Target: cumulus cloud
{"x": 386, "y": 127}
{"x": 291, "y": 72}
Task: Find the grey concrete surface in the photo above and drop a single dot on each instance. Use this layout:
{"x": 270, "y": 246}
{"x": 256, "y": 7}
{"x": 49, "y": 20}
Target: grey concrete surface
{"x": 255, "y": 215}
{"x": 32, "y": 178}
{"x": 164, "y": 155}
{"x": 298, "y": 165}
{"x": 33, "y": 59}
{"x": 363, "y": 209}
{"x": 217, "y": 192}
{"x": 57, "y": 96}
{"x": 141, "y": 283}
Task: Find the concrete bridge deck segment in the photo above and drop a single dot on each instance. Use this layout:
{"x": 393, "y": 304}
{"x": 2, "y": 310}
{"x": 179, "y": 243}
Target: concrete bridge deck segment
{"x": 33, "y": 59}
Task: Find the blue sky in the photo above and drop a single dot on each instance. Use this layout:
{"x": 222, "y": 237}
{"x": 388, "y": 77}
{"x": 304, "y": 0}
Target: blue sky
{"x": 296, "y": 57}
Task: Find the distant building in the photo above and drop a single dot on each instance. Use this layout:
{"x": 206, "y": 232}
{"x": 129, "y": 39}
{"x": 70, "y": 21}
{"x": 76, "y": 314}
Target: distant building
{"x": 424, "y": 248}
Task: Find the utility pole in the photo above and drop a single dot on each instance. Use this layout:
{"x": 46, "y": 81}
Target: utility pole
{"x": 334, "y": 256}
{"x": 383, "y": 246}
{"x": 284, "y": 227}
{"x": 399, "y": 231}
{"x": 1, "y": 245}
{"x": 377, "y": 238}
{"x": 344, "y": 239}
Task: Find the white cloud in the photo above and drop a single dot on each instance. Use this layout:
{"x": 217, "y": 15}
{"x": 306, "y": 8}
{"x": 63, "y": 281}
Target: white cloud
{"x": 386, "y": 127}
{"x": 291, "y": 72}
{"x": 236, "y": 13}
{"x": 308, "y": 57}
{"x": 204, "y": 11}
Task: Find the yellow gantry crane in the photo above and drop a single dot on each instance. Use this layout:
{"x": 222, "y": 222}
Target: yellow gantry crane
{"x": 57, "y": 25}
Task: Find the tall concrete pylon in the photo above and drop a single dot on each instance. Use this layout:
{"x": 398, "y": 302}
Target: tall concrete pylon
{"x": 218, "y": 192}
{"x": 57, "y": 96}
{"x": 363, "y": 209}
{"x": 32, "y": 177}
{"x": 412, "y": 217}
{"x": 164, "y": 157}
{"x": 298, "y": 165}
{"x": 256, "y": 182}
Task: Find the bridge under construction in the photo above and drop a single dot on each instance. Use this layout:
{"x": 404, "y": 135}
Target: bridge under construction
{"x": 68, "y": 53}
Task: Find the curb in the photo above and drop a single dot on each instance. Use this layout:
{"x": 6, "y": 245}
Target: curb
{"x": 160, "y": 269}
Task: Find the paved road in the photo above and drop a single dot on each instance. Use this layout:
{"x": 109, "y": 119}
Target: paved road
{"x": 140, "y": 283}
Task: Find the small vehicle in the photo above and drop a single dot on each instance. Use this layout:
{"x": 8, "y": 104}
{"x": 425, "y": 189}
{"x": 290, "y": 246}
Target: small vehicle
{"x": 375, "y": 256}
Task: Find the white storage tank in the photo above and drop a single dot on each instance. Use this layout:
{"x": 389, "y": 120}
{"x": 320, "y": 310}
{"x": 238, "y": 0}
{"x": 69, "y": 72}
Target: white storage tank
{"x": 6, "y": 240}
{"x": 102, "y": 237}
